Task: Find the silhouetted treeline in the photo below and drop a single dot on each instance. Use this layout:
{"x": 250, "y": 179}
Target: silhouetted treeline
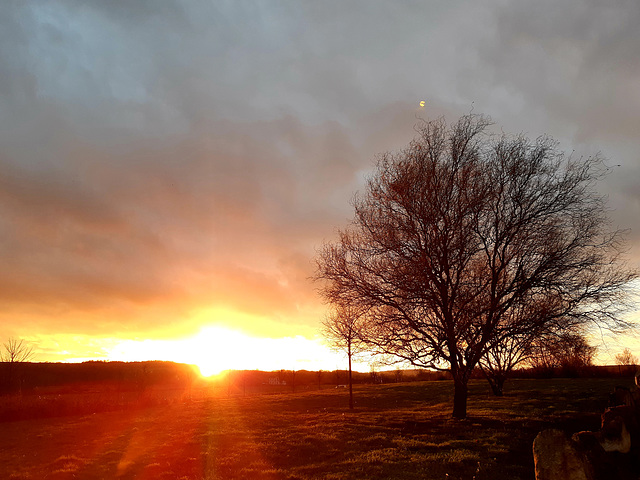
{"x": 585, "y": 371}
{"x": 134, "y": 375}
{"x": 129, "y": 376}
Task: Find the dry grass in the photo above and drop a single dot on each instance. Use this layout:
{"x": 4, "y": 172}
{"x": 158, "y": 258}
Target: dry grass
{"x": 401, "y": 431}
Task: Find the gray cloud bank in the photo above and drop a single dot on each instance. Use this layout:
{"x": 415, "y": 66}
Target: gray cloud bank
{"x": 157, "y": 157}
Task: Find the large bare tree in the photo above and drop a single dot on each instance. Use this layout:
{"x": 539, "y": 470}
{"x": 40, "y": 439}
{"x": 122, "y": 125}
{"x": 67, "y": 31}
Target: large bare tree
{"x": 342, "y": 329}
{"x": 461, "y": 229}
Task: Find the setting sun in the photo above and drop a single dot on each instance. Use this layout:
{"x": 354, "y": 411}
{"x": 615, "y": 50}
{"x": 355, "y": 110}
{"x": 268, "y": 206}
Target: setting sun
{"x": 215, "y": 349}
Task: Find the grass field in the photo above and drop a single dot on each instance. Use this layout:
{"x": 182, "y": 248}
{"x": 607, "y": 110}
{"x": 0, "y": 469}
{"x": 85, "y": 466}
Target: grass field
{"x": 398, "y": 431}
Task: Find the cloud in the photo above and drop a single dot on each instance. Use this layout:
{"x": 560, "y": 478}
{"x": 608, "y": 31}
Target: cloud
{"x": 161, "y": 158}
{"x": 575, "y": 60}
{"x": 574, "y": 73}
{"x": 140, "y": 226}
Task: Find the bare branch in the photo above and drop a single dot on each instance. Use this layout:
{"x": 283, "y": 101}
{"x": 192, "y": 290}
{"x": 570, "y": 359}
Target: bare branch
{"x": 16, "y": 351}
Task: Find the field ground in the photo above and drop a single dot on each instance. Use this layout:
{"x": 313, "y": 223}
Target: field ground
{"x": 399, "y": 431}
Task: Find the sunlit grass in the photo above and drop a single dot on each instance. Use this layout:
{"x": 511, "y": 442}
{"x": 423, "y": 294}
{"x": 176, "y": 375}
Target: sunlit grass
{"x": 401, "y": 431}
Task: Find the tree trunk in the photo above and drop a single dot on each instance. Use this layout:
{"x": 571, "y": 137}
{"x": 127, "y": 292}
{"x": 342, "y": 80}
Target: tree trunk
{"x": 496, "y": 381}
{"x": 497, "y": 384}
{"x": 350, "y": 384}
{"x": 460, "y": 393}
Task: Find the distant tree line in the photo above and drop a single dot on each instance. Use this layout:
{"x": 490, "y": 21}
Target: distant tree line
{"x": 122, "y": 375}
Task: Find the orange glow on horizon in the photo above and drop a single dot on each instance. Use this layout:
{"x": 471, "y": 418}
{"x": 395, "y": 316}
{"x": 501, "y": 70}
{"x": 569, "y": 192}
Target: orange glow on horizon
{"x": 223, "y": 339}
{"x": 216, "y": 349}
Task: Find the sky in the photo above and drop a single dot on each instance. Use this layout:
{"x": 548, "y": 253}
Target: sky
{"x": 168, "y": 170}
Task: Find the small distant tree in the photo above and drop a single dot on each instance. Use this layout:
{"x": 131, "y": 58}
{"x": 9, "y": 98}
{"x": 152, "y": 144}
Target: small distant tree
{"x": 626, "y": 358}
{"x": 568, "y": 352}
{"x": 501, "y": 358}
{"x": 626, "y": 361}
{"x": 524, "y": 326}
{"x": 342, "y": 330}
{"x": 575, "y": 353}
{"x": 14, "y": 352}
